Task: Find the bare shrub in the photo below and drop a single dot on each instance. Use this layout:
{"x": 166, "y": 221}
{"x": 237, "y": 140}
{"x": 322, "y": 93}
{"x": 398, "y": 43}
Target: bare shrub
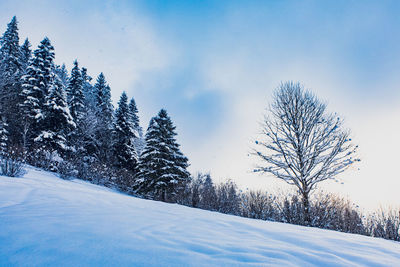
{"x": 12, "y": 164}
{"x": 258, "y": 205}
{"x": 330, "y": 211}
{"x": 11, "y": 167}
{"x": 385, "y": 224}
{"x": 227, "y": 197}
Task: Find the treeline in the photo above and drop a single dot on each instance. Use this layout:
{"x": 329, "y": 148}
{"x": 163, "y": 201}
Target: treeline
{"x": 327, "y": 211}
{"x": 66, "y": 123}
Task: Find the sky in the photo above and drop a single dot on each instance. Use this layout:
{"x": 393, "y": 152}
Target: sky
{"x": 214, "y": 65}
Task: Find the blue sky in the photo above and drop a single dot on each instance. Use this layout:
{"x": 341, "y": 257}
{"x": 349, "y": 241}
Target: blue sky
{"x": 214, "y": 64}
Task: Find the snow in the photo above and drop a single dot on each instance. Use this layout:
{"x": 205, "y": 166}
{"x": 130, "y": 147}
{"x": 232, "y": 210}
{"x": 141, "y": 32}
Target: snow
{"x": 48, "y": 221}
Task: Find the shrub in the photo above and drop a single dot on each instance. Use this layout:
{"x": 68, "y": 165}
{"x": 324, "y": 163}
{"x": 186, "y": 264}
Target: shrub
{"x": 385, "y": 224}
{"x": 12, "y": 163}
{"x": 11, "y": 167}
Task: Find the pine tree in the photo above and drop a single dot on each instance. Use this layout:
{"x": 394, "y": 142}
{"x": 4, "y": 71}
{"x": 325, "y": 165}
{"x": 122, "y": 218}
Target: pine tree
{"x": 88, "y": 90}
{"x": 62, "y": 73}
{"x": 124, "y": 132}
{"x": 11, "y": 69}
{"x": 103, "y": 99}
{"x": 26, "y": 53}
{"x": 76, "y": 99}
{"x": 162, "y": 165}
{"x": 57, "y": 121}
{"x": 35, "y": 86}
{"x": 104, "y": 116}
{"x": 76, "y": 103}
{"x": 139, "y": 141}
{"x": 10, "y": 54}
{"x": 87, "y": 126}
{"x": 133, "y": 113}
{"x": 3, "y": 138}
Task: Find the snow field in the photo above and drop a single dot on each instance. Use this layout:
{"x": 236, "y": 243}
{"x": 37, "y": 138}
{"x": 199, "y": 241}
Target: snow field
{"x": 47, "y": 221}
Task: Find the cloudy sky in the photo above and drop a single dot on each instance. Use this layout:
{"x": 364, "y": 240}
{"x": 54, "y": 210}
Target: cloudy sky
{"x": 214, "y": 64}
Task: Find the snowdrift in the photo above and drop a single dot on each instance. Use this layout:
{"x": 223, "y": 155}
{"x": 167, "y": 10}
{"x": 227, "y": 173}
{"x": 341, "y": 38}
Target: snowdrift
{"x": 45, "y": 220}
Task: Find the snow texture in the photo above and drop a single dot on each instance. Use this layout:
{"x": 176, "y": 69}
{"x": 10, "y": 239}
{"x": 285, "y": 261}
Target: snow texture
{"x": 47, "y": 221}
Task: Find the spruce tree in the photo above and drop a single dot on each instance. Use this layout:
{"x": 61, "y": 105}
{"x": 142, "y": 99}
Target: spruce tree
{"x": 103, "y": 99}
{"x": 35, "y": 86}
{"x": 75, "y": 95}
{"x": 10, "y": 74}
{"x": 76, "y": 103}
{"x": 26, "y": 54}
{"x": 3, "y": 138}
{"x": 62, "y": 73}
{"x": 104, "y": 120}
{"x": 133, "y": 114}
{"x": 57, "y": 121}
{"x": 124, "y": 136}
{"x": 88, "y": 90}
{"x": 10, "y": 54}
{"x": 139, "y": 141}
{"x": 87, "y": 126}
{"x": 162, "y": 165}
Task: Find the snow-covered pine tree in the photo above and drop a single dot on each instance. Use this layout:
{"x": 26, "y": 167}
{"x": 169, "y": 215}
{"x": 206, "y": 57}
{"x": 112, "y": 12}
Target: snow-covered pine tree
{"x": 83, "y": 138}
{"x": 11, "y": 69}
{"x": 104, "y": 120}
{"x": 57, "y": 121}
{"x": 139, "y": 141}
{"x": 10, "y": 54}
{"x": 88, "y": 124}
{"x": 88, "y": 90}
{"x": 75, "y": 95}
{"x": 36, "y": 83}
{"x": 124, "y": 136}
{"x": 62, "y": 73}
{"x": 26, "y": 54}
{"x": 3, "y": 138}
{"x": 162, "y": 165}
{"x": 76, "y": 103}
{"x": 133, "y": 113}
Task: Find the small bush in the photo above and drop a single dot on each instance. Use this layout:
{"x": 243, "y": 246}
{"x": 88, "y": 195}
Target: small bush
{"x": 11, "y": 167}
{"x": 258, "y": 205}
{"x": 12, "y": 163}
{"x": 66, "y": 170}
{"x": 333, "y": 212}
{"x": 385, "y": 224}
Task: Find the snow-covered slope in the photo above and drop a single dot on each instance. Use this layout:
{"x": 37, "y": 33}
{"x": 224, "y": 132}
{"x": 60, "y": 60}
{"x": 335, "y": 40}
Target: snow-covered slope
{"x": 48, "y": 221}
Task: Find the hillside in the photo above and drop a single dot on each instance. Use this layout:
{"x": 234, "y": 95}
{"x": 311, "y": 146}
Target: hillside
{"x": 45, "y": 220}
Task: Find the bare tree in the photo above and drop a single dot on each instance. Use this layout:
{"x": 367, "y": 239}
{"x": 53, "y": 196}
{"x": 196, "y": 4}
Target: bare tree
{"x": 302, "y": 143}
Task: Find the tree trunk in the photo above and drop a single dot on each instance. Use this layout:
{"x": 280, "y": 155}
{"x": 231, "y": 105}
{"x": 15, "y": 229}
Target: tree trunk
{"x": 306, "y": 206}
{"x": 163, "y": 195}
{"x": 24, "y": 142}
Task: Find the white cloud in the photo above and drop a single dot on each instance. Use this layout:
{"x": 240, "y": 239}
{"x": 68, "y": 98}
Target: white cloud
{"x": 119, "y": 41}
